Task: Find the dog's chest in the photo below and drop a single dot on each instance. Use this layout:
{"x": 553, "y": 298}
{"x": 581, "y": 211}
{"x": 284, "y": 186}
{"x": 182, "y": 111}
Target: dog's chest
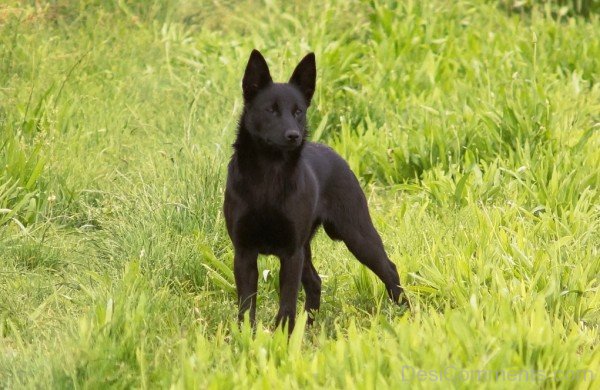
{"x": 266, "y": 229}
{"x": 267, "y": 224}
{"x": 274, "y": 209}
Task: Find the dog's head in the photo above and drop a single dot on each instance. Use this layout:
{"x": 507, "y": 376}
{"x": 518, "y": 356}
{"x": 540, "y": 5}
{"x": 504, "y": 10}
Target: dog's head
{"x": 275, "y": 113}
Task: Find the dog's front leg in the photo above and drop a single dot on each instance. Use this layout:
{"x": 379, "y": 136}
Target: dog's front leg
{"x": 245, "y": 269}
{"x": 290, "y": 275}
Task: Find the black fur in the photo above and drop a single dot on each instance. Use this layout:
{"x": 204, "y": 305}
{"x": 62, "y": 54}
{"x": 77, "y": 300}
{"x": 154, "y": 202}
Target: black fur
{"x": 281, "y": 188}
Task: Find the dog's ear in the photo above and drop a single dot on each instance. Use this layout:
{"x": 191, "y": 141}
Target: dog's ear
{"x": 256, "y": 77}
{"x": 305, "y": 75}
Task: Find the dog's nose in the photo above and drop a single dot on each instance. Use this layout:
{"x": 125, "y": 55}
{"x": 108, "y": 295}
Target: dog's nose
{"x": 292, "y": 135}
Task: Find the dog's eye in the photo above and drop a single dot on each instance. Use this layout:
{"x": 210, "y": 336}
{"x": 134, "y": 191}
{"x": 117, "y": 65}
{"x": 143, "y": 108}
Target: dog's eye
{"x": 272, "y": 110}
{"x": 298, "y": 112}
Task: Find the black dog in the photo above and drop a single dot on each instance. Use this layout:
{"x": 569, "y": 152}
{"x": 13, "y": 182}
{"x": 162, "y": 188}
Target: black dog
{"x": 281, "y": 188}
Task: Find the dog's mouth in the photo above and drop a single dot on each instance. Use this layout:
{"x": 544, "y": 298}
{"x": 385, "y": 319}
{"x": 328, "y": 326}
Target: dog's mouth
{"x": 287, "y": 146}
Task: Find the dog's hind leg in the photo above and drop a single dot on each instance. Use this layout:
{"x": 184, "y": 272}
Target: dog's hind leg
{"x": 365, "y": 243}
{"x": 361, "y": 238}
{"x": 245, "y": 269}
{"x": 289, "y": 285}
{"x": 312, "y": 285}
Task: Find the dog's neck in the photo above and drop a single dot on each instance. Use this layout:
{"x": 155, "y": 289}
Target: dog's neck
{"x": 254, "y": 154}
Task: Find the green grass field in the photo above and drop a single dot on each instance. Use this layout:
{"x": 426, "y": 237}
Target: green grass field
{"x": 472, "y": 126}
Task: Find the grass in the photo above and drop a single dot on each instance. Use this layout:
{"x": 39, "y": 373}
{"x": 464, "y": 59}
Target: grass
{"x": 473, "y": 130}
